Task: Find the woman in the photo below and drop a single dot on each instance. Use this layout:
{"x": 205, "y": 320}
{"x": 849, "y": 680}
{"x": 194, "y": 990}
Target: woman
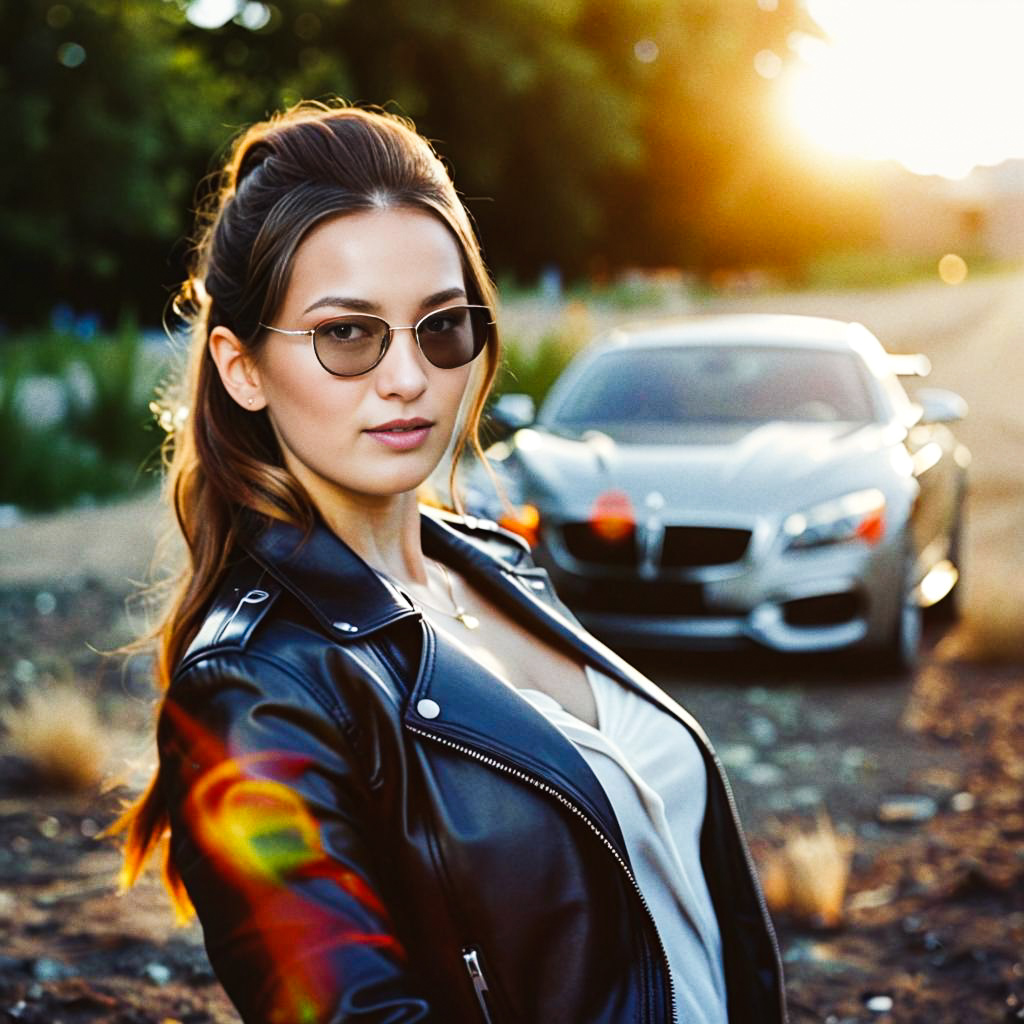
{"x": 402, "y": 782}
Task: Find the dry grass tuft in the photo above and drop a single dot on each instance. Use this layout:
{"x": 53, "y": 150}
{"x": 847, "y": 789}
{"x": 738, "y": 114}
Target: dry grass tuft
{"x": 807, "y": 875}
{"x": 58, "y": 735}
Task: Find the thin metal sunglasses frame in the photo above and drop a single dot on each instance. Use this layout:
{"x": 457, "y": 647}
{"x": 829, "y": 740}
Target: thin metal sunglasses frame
{"x": 388, "y": 334}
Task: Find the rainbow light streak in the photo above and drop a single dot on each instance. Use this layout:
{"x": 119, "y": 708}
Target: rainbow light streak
{"x": 264, "y": 842}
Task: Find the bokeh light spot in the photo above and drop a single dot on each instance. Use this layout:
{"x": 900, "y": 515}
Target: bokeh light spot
{"x": 71, "y": 55}
{"x": 211, "y": 14}
{"x": 646, "y": 51}
{"x": 952, "y": 269}
{"x": 58, "y": 16}
{"x": 768, "y": 64}
{"x": 255, "y": 16}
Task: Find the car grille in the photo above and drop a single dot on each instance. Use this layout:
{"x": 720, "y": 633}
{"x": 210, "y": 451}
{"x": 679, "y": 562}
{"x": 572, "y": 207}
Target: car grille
{"x": 639, "y": 597}
{"x": 587, "y": 546}
{"x": 689, "y": 546}
{"x": 683, "y": 547}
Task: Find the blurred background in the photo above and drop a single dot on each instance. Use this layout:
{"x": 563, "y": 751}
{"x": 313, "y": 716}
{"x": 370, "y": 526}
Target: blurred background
{"x": 622, "y": 159}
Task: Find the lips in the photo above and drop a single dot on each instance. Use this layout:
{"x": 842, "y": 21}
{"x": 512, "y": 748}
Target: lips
{"x": 402, "y": 435}
{"x": 400, "y": 426}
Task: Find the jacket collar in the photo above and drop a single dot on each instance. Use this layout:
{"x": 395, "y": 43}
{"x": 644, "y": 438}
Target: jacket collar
{"x": 352, "y": 601}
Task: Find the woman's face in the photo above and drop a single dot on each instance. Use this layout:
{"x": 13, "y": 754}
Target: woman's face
{"x": 398, "y": 264}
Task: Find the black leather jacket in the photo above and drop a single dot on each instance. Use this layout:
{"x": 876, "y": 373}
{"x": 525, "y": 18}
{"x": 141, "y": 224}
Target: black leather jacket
{"x": 373, "y": 827}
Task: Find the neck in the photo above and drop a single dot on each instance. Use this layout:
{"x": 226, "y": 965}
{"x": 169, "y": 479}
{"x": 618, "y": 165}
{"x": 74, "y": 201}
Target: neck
{"x": 385, "y": 533}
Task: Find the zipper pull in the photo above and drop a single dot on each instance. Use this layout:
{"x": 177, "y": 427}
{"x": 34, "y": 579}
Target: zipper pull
{"x": 476, "y": 975}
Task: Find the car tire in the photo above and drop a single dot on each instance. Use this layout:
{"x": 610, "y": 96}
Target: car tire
{"x": 900, "y": 652}
{"x": 950, "y": 608}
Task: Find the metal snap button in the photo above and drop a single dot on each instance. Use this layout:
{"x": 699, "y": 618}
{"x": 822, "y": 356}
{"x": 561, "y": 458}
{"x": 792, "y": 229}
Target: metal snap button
{"x": 428, "y": 708}
{"x": 346, "y": 627}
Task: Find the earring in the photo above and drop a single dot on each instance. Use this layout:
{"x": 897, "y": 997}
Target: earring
{"x": 250, "y": 401}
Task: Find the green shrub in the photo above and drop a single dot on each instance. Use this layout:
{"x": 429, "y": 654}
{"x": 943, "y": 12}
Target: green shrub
{"x": 105, "y": 440}
{"x": 531, "y": 370}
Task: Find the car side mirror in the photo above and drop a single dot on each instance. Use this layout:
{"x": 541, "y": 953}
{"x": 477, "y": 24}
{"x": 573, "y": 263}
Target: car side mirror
{"x": 940, "y": 406}
{"x": 512, "y": 411}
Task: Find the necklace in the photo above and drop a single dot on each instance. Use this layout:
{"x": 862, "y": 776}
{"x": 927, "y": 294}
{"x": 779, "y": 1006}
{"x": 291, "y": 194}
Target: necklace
{"x": 460, "y": 614}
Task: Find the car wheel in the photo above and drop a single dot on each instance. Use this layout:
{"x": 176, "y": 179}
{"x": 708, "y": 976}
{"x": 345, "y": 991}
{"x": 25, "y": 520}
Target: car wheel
{"x": 950, "y": 608}
{"x": 901, "y": 651}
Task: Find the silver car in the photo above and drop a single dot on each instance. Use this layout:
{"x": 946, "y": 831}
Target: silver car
{"x": 742, "y": 480}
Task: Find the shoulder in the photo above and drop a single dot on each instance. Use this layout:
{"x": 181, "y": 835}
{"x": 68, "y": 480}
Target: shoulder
{"x": 241, "y": 602}
{"x": 486, "y": 535}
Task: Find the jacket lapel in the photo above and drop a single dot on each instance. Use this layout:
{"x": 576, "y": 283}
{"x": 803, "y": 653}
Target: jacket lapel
{"x": 511, "y": 587}
{"x": 459, "y": 699}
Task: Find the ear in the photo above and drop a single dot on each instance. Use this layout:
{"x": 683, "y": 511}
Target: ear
{"x": 237, "y": 369}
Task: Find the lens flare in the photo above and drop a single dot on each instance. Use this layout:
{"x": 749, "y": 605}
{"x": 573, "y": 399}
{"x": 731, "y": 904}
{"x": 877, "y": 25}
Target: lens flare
{"x": 264, "y": 841}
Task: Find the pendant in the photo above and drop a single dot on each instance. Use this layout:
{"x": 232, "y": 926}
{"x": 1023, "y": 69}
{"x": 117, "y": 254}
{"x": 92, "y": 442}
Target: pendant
{"x": 469, "y": 621}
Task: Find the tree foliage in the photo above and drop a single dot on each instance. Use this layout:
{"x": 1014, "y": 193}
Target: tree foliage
{"x": 591, "y": 134}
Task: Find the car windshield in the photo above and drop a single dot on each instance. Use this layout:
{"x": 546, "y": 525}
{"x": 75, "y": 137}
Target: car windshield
{"x": 626, "y": 391}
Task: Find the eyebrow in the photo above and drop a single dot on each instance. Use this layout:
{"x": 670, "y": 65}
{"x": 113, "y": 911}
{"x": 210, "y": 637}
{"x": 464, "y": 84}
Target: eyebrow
{"x": 365, "y": 306}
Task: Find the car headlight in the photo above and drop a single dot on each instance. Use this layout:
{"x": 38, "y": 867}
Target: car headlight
{"x": 856, "y": 516}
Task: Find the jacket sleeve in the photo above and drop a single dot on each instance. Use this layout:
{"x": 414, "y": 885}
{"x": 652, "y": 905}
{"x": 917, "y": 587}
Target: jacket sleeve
{"x": 271, "y": 835}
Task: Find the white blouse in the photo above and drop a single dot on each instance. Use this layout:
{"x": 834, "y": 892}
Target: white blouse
{"x": 655, "y": 779}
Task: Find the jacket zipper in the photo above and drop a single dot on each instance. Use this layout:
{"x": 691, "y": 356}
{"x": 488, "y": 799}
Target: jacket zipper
{"x": 580, "y": 814}
{"x": 476, "y": 975}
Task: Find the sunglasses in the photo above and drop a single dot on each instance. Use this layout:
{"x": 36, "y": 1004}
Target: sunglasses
{"x": 347, "y": 346}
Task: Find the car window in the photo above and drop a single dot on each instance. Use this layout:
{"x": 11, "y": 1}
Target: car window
{"x": 716, "y": 384}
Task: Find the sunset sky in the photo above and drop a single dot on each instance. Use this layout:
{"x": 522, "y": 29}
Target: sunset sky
{"x": 936, "y": 84}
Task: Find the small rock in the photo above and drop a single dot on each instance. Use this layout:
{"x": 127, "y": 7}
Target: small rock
{"x": 159, "y": 974}
{"x": 906, "y": 809}
{"x": 962, "y": 802}
{"x": 46, "y": 969}
{"x": 49, "y": 827}
{"x": 879, "y": 1004}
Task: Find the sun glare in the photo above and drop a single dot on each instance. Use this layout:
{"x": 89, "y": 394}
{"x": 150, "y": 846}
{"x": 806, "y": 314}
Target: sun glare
{"x": 934, "y": 84}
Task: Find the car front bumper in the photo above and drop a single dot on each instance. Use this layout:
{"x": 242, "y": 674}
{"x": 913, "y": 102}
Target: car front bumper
{"x": 827, "y": 599}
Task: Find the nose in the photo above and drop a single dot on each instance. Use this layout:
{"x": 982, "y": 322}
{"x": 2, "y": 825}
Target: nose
{"x": 401, "y": 372}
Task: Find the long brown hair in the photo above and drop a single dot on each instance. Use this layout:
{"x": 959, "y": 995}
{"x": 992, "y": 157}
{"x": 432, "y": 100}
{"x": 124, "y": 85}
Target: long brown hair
{"x": 225, "y": 475}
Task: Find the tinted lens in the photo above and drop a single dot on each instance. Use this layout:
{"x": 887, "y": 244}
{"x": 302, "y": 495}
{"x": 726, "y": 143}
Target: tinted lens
{"x": 349, "y": 345}
{"x": 455, "y": 336}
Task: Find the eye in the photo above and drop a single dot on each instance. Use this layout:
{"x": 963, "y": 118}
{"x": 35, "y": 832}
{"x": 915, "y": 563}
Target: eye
{"x": 347, "y": 330}
{"x": 445, "y": 320}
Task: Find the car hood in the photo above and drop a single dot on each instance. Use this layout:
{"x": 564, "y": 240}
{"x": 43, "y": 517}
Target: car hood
{"x": 738, "y": 468}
